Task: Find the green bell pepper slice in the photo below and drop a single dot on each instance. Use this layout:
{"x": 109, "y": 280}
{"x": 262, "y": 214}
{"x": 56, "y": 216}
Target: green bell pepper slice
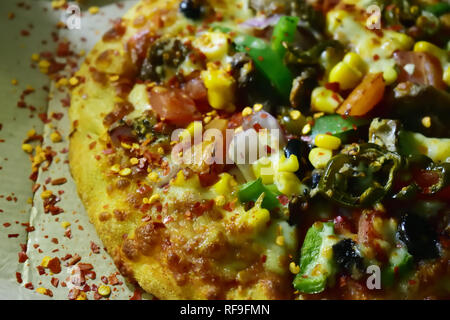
{"x": 317, "y": 266}
{"x": 284, "y": 33}
{"x": 253, "y": 189}
{"x": 360, "y": 176}
{"x": 438, "y": 9}
{"x": 267, "y": 61}
{"x": 400, "y": 263}
{"x": 336, "y": 124}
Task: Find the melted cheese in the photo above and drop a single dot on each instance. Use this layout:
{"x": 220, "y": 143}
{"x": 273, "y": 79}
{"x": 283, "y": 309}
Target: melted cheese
{"x": 376, "y": 48}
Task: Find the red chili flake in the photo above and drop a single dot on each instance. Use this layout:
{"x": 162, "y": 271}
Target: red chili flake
{"x": 54, "y": 265}
{"x": 58, "y": 181}
{"x": 284, "y": 200}
{"x": 95, "y": 248}
{"x": 74, "y": 259}
{"x": 263, "y": 258}
{"x": 19, "y": 277}
{"x": 112, "y": 279}
{"x": 104, "y": 279}
{"x": 73, "y": 293}
{"x": 376, "y": 57}
{"x": 57, "y": 115}
{"x": 354, "y": 126}
{"x": 55, "y": 282}
{"x": 29, "y": 286}
{"x": 25, "y": 33}
{"x": 260, "y": 58}
{"x": 41, "y": 270}
{"x": 412, "y": 282}
{"x": 13, "y": 235}
{"x": 68, "y": 233}
{"x": 6, "y": 224}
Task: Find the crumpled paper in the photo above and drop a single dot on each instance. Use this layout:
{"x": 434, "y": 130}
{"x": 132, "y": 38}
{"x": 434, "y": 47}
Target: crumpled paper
{"x": 18, "y": 213}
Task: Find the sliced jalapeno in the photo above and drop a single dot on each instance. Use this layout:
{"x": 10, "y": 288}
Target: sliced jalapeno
{"x": 360, "y": 176}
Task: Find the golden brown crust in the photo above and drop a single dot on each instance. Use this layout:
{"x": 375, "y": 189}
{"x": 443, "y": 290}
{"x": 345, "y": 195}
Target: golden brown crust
{"x": 185, "y": 260}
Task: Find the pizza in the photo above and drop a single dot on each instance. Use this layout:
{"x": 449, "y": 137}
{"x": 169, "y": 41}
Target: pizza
{"x": 254, "y": 149}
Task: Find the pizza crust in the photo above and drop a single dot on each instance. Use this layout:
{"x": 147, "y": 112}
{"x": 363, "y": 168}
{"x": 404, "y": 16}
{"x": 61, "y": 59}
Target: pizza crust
{"x": 116, "y": 221}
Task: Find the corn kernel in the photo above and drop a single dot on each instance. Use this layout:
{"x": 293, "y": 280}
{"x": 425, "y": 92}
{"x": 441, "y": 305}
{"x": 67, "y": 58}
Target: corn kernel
{"x": 287, "y": 183}
{"x": 279, "y": 240}
{"x": 45, "y": 261}
{"x": 35, "y": 57}
{"x": 347, "y": 76}
{"x": 324, "y": 100}
{"x": 223, "y": 186}
{"x": 247, "y": 111}
{"x": 27, "y": 147}
{"x": 115, "y": 168}
{"x": 125, "y": 145}
{"x": 193, "y": 129}
{"x": 65, "y": 224}
{"x": 390, "y": 75}
{"x": 355, "y": 61}
{"x": 446, "y": 76}
{"x": 44, "y": 64}
{"x": 426, "y": 122}
{"x": 41, "y": 290}
{"x": 46, "y": 194}
{"x": 257, "y": 107}
{"x": 295, "y": 114}
{"x": 73, "y": 81}
{"x": 220, "y": 200}
{"x": 220, "y": 87}
{"x": 55, "y": 137}
{"x": 81, "y": 296}
{"x": 213, "y": 44}
{"x": 293, "y": 268}
{"x": 104, "y": 290}
{"x": 290, "y": 165}
{"x": 134, "y": 161}
{"x": 255, "y": 219}
{"x": 155, "y": 197}
{"x": 425, "y": 46}
{"x": 125, "y": 172}
{"x": 319, "y": 157}
{"x": 306, "y": 129}
{"x": 94, "y": 10}
{"x": 262, "y": 168}
{"x": 153, "y": 176}
{"x": 327, "y": 141}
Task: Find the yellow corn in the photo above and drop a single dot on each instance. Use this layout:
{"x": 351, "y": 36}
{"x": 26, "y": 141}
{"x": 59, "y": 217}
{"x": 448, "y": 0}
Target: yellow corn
{"x": 290, "y": 165}
{"x": 194, "y": 128}
{"x": 254, "y": 219}
{"x": 446, "y": 76}
{"x": 104, "y": 290}
{"x": 262, "y": 168}
{"x": 55, "y": 137}
{"x": 65, "y": 224}
{"x": 324, "y": 100}
{"x": 327, "y": 141}
{"x": 45, "y": 261}
{"x": 125, "y": 172}
{"x": 46, "y": 194}
{"x": 347, "y": 76}
{"x": 27, "y": 147}
{"x": 214, "y": 45}
{"x": 293, "y": 268}
{"x": 287, "y": 183}
{"x": 41, "y": 290}
{"x": 220, "y": 87}
{"x": 425, "y": 46}
{"x": 224, "y": 185}
{"x": 353, "y": 60}
{"x": 390, "y": 75}
{"x": 319, "y": 157}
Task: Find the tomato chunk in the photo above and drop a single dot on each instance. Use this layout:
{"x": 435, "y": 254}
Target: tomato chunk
{"x": 173, "y": 106}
